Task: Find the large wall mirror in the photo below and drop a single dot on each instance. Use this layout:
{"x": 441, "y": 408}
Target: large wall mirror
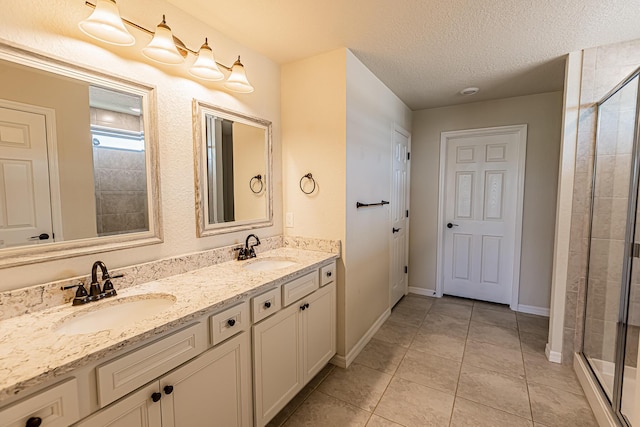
{"x": 78, "y": 161}
{"x": 233, "y": 170}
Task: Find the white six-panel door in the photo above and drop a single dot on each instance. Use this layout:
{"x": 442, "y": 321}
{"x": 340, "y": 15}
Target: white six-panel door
{"x": 481, "y": 212}
{"x": 25, "y": 204}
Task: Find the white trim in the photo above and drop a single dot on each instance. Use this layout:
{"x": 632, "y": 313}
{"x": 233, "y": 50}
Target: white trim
{"x": 532, "y": 309}
{"x": 552, "y": 356}
{"x": 522, "y": 152}
{"x": 345, "y": 361}
{"x": 52, "y": 154}
{"x": 422, "y": 291}
{"x": 599, "y": 405}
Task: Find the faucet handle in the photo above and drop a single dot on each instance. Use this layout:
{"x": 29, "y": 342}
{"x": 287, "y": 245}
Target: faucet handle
{"x": 82, "y": 297}
{"x": 242, "y": 253}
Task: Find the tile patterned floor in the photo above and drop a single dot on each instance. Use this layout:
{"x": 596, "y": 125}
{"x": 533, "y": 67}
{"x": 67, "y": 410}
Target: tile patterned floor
{"x": 446, "y": 362}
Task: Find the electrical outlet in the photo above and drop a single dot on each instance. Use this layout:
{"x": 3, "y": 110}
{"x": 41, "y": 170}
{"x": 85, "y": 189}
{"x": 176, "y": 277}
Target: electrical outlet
{"x": 289, "y": 220}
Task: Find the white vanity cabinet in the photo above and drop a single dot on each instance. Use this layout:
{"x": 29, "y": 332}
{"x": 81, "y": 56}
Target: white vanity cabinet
{"x": 292, "y": 346}
{"x": 212, "y": 389}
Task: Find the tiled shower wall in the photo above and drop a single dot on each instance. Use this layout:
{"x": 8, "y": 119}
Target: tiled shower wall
{"x": 120, "y": 179}
{"x": 602, "y": 69}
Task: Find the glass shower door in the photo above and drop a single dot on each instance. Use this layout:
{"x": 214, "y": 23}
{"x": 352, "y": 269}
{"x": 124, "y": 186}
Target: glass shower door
{"x": 608, "y": 268}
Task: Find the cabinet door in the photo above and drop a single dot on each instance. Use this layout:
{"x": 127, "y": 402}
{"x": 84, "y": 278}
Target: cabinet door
{"x": 318, "y": 330}
{"x": 135, "y": 410}
{"x": 212, "y": 390}
{"x": 277, "y": 362}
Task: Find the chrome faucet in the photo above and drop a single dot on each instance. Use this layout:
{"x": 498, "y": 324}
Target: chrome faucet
{"x": 95, "y": 293}
{"x": 247, "y": 251}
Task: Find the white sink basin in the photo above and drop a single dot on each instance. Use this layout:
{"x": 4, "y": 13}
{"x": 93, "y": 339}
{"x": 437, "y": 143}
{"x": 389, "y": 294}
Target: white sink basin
{"x": 268, "y": 264}
{"x": 114, "y": 314}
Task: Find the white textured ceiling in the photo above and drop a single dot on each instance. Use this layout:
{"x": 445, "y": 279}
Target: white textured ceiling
{"x": 426, "y": 51}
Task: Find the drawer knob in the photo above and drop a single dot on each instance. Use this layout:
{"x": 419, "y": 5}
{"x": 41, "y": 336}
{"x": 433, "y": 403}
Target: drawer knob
{"x": 34, "y": 422}
{"x": 155, "y": 396}
{"x": 267, "y": 304}
{"x": 329, "y": 274}
{"x": 168, "y": 389}
{"x": 231, "y": 322}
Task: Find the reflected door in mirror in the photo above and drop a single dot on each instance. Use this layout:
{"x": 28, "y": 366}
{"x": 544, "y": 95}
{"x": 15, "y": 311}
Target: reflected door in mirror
{"x": 25, "y": 205}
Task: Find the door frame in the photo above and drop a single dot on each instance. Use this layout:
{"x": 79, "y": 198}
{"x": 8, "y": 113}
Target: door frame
{"x": 521, "y": 130}
{"x": 407, "y": 134}
{"x": 52, "y": 158}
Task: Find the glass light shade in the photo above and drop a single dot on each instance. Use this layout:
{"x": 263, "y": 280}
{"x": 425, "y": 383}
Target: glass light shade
{"x": 205, "y": 66}
{"x": 105, "y": 24}
{"x": 162, "y": 48}
{"x": 237, "y": 81}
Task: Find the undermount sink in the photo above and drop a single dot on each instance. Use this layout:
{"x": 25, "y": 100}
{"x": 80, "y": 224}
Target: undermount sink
{"x": 114, "y": 314}
{"x": 268, "y": 264}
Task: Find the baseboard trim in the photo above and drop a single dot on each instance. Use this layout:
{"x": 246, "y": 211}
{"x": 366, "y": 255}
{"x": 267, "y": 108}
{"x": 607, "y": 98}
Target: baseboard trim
{"x": 532, "y": 309}
{"x": 422, "y": 291}
{"x": 344, "y": 362}
{"x": 552, "y": 356}
{"x": 599, "y": 406}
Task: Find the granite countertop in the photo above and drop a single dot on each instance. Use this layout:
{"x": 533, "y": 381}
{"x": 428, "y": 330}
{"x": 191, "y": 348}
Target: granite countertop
{"x": 32, "y": 352}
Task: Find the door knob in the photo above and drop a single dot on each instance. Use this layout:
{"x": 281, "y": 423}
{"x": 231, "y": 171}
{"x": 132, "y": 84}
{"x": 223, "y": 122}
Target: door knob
{"x": 451, "y": 225}
{"x": 395, "y": 230}
{"x": 43, "y": 236}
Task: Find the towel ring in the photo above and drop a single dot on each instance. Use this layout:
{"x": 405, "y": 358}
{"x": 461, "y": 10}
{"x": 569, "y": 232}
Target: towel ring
{"x": 310, "y": 178}
{"x": 257, "y": 178}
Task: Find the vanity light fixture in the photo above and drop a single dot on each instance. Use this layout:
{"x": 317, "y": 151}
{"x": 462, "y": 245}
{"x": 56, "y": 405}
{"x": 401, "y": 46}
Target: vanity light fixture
{"x": 237, "y": 81}
{"x": 105, "y": 24}
{"x": 164, "y": 47}
{"x": 205, "y": 66}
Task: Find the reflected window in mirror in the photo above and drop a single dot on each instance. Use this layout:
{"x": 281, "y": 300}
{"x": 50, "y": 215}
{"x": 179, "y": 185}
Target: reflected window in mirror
{"x": 233, "y": 161}
{"x": 75, "y": 161}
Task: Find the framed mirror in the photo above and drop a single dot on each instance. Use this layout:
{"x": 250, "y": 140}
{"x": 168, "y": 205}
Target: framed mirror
{"x": 78, "y": 161}
{"x": 232, "y": 170}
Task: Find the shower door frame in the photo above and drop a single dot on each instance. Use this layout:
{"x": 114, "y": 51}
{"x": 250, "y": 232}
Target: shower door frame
{"x": 630, "y": 229}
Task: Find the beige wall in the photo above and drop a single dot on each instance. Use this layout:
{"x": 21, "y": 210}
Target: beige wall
{"x": 338, "y": 121}
{"x": 372, "y": 112}
{"x": 313, "y": 141}
{"x": 542, "y": 113}
{"x": 54, "y": 30}
{"x": 248, "y": 161}
{"x": 70, "y": 101}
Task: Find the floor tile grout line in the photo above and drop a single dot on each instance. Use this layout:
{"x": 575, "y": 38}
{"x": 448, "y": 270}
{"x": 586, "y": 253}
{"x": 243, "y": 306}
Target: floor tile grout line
{"x": 526, "y": 377}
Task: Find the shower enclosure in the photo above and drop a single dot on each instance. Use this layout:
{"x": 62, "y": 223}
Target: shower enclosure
{"x": 612, "y": 311}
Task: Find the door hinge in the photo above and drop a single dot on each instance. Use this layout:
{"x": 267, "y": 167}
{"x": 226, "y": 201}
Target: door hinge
{"x": 635, "y": 250}
{"x": 407, "y": 213}
{"x": 408, "y": 155}
{"x": 406, "y": 269}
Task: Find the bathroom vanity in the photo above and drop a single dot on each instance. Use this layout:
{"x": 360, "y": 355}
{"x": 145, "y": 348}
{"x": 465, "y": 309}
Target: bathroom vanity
{"x": 225, "y": 345}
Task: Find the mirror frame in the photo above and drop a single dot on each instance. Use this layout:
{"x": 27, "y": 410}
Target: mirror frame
{"x": 23, "y": 255}
{"x": 203, "y": 227}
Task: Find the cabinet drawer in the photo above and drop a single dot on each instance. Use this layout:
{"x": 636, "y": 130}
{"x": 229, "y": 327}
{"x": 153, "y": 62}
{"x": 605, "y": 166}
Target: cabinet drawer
{"x": 265, "y": 305}
{"x": 229, "y": 322}
{"x": 133, "y": 370}
{"x": 328, "y": 274}
{"x": 56, "y": 407}
{"x": 299, "y": 288}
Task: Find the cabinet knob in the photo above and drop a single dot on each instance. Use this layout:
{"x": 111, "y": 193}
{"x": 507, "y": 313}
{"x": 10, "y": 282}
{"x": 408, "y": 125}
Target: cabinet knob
{"x": 231, "y": 322}
{"x": 304, "y": 306}
{"x": 168, "y": 389}
{"x": 329, "y": 274}
{"x": 267, "y": 304}
{"x": 34, "y": 422}
{"x": 155, "y": 396}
